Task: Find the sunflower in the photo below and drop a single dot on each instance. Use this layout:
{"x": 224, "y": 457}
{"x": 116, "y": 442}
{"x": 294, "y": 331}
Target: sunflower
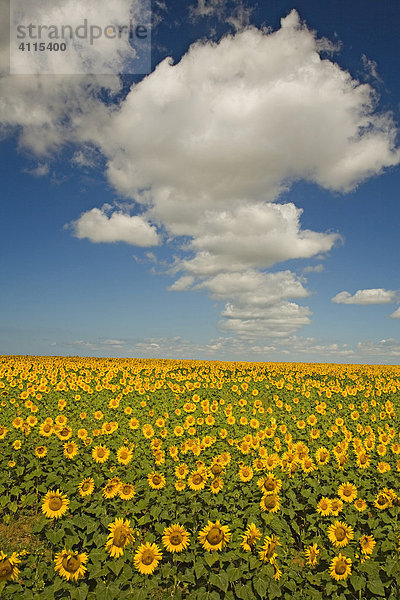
{"x": 82, "y": 434}
{"x": 100, "y": 454}
{"x": 340, "y": 567}
{"x": 156, "y": 480}
{"x": 270, "y": 503}
{"x": 175, "y": 538}
{"x": 267, "y": 552}
{"x": 336, "y": 506}
{"x": 340, "y": 534}
{"x": 216, "y": 469}
{"x": 147, "y": 558}
{"x": 250, "y": 537}
{"x": 180, "y": 485}
{"x": 126, "y": 491}
{"x": 214, "y": 536}
{"x": 70, "y": 565}
{"x": 216, "y": 485}
{"x": 322, "y": 456}
{"x": 269, "y": 485}
{"x": 363, "y": 460}
{"x": 383, "y": 500}
{"x": 8, "y": 568}
{"x": 120, "y": 536}
{"x": 312, "y": 552}
{"x": 181, "y": 471}
{"x": 41, "y": 451}
{"x": 124, "y": 455}
{"x": 347, "y": 492}
{"x": 70, "y": 450}
{"x": 64, "y": 433}
{"x": 86, "y": 487}
{"x": 324, "y": 507}
{"x": 111, "y": 488}
{"x": 360, "y": 504}
{"x": 245, "y": 473}
{"x": 55, "y": 504}
{"x": 367, "y": 543}
{"x": 197, "y": 480}
{"x": 3, "y": 431}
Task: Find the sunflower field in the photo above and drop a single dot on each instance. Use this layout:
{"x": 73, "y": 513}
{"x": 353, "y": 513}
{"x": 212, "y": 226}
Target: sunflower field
{"x": 136, "y": 479}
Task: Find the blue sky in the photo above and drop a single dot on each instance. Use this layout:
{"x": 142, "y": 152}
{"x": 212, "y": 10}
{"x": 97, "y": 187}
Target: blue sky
{"x": 238, "y": 202}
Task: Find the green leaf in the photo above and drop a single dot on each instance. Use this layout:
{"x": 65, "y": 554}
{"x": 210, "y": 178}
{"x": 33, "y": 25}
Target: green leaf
{"x": 253, "y": 562}
{"x": 220, "y": 580}
{"x": 330, "y": 588}
{"x": 116, "y": 566}
{"x": 80, "y": 593}
{"x": 234, "y": 574}
{"x": 245, "y": 592}
{"x": 357, "y": 582}
{"x": 376, "y": 587}
{"x": 199, "y": 568}
{"x": 261, "y": 586}
{"x": 274, "y": 590}
{"x": 211, "y": 558}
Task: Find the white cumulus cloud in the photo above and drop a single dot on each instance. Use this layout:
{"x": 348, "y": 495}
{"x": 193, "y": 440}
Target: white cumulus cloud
{"x": 368, "y": 296}
{"x": 97, "y": 226}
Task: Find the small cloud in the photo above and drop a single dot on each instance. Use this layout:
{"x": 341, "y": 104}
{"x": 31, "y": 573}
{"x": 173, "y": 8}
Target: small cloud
{"x": 41, "y": 170}
{"x": 182, "y": 284}
{"x": 316, "y": 269}
{"x": 371, "y": 69}
{"x": 85, "y": 158}
{"x": 97, "y": 226}
{"x": 396, "y": 314}
{"x": 369, "y": 296}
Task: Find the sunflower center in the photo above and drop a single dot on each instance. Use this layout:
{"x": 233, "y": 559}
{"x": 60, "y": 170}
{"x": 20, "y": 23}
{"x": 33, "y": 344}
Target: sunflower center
{"x": 46, "y": 428}
{"x": 126, "y": 489}
{"x": 85, "y": 486}
{"x": 64, "y": 431}
{"x": 101, "y": 452}
{"x": 147, "y": 557}
{"x": 124, "y": 454}
{"x": 156, "y": 479}
{"x": 271, "y": 549}
{"x": 340, "y": 567}
{"x": 120, "y": 537}
{"x": 216, "y": 470}
{"x": 197, "y": 479}
{"x": 270, "y": 486}
{"x": 215, "y": 536}
{"x": 382, "y": 500}
{"x": 6, "y": 569}
{"x": 176, "y": 538}
{"x": 55, "y": 503}
{"x": 71, "y": 564}
{"x": 347, "y": 492}
{"x": 270, "y": 502}
{"x": 340, "y": 534}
